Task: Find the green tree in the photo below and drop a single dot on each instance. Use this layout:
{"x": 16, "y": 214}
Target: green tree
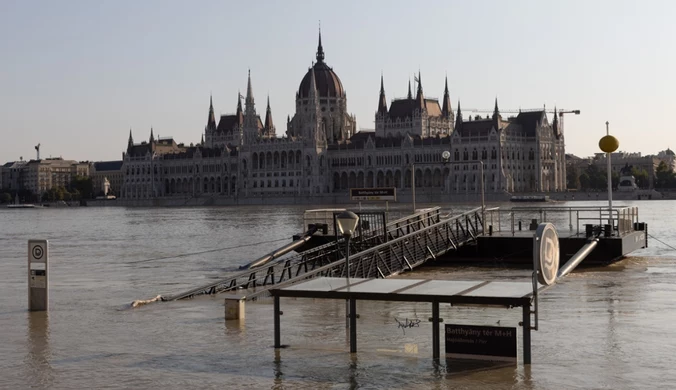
{"x": 664, "y": 177}
{"x": 83, "y": 185}
{"x": 6, "y": 197}
{"x": 585, "y": 181}
{"x": 642, "y": 177}
{"x": 572, "y": 177}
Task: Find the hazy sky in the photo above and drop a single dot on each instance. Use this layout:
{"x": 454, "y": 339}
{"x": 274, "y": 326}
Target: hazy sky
{"x": 75, "y": 76}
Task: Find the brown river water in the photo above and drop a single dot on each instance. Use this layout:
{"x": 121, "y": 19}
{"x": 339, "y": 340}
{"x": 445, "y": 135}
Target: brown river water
{"x": 609, "y": 327}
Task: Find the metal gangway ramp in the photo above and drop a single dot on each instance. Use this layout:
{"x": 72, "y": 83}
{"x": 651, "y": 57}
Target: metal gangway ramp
{"x": 407, "y": 243}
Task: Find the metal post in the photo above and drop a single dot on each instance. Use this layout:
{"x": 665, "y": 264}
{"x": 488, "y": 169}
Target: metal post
{"x": 610, "y": 187}
{"x": 526, "y": 333}
{"x": 348, "y": 311}
{"x": 483, "y": 202}
{"x": 38, "y": 275}
{"x": 353, "y": 325}
{"x": 435, "y": 330}
{"x": 347, "y": 261}
{"x": 278, "y": 343}
{"x": 413, "y": 184}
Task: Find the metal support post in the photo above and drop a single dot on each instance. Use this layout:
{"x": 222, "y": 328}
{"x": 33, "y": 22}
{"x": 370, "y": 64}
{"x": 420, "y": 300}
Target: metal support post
{"x": 610, "y": 186}
{"x": 353, "y": 325}
{"x": 526, "y": 333}
{"x": 483, "y": 200}
{"x": 278, "y": 343}
{"x": 435, "y": 330}
{"x": 413, "y": 185}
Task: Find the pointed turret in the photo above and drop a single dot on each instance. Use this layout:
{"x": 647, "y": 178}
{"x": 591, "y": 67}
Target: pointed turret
{"x": 239, "y": 113}
{"x": 320, "y": 49}
{"x": 249, "y": 92}
{"x": 382, "y": 102}
{"x": 555, "y": 122}
{"x": 269, "y": 126}
{"x": 446, "y": 109}
{"x": 458, "y": 118}
{"x": 410, "y": 95}
{"x": 496, "y": 111}
{"x": 313, "y": 87}
{"x": 130, "y": 143}
{"x": 419, "y": 98}
{"x": 211, "y": 120}
{"x": 202, "y": 140}
{"x": 152, "y": 137}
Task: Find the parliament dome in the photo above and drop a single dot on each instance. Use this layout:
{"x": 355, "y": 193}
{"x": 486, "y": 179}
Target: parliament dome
{"x": 327, "y": 81}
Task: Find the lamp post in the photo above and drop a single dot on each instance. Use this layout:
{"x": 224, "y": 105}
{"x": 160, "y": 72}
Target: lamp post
{"x": 347, "y": 223}
{"x": 609, "y": 144}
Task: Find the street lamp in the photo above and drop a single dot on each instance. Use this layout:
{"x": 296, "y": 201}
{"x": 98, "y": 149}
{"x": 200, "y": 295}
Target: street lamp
{"x": 347, "y": 223}
{"x": 609, "y": 144}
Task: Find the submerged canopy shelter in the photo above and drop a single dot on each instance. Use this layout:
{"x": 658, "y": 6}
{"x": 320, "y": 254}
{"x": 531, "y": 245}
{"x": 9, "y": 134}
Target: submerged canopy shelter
{"x": 494, "y": 293}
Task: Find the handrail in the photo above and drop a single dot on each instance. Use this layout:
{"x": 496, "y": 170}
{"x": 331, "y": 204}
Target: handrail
{"x": 338, "y": 267}
{"x": 326, "y": 252}
{"x": 622, "y": 218}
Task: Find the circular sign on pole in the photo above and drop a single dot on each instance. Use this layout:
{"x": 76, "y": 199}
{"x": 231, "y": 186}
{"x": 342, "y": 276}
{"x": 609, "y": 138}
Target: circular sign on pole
{"x": 38, "y": 252}
{"x": 546, "y": 253}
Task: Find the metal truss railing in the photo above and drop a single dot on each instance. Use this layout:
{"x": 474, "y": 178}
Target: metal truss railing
{"x": 306, "y": 262}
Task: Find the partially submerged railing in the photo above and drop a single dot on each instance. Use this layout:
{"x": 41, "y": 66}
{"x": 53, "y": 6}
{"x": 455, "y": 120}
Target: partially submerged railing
{"x": 388, "y": 259}
{"x": 622, "y": 219}
{"x": 312, "y": 259}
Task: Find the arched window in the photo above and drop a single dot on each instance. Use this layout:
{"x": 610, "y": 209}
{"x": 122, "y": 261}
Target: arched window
{"x": 475, "y": 154}
{"x": 465, "y": 155}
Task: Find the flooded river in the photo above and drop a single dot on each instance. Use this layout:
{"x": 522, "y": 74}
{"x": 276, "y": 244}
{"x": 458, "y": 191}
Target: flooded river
{"x": 602, "y": 327}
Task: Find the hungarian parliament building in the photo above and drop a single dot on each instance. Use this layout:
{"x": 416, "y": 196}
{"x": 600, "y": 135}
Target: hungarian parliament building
{"x": 322, "y": 154}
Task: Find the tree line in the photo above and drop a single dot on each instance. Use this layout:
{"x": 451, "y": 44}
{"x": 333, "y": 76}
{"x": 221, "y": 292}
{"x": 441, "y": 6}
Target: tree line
{"x": 594, "y": 178}
{"x": 79, "y": 188}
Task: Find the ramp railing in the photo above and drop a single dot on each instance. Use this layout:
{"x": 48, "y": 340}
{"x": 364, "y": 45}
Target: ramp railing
{"x": 622, "y": 219}
{"x": 393, "y": 257}
{"x": 307, "y": 261}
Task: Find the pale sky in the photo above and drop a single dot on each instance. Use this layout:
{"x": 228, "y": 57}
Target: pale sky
{"x": 75, "y": 76}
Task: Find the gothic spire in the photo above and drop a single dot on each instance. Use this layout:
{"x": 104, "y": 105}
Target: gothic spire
{"x": 131, "y": 139}
{"x": 446, "y": 109}
{"x": 410, "y": 95}
{"x": 555, "y": 122}
{"x": 202, "y": 140}
{"x": 152, "y": 137}
{"x": 496, "y": 112}
{"x": 313, "y": 86}
{"x": 211, "y": 121}
{"x": 268, "y": 118}
{"x": 320, "y": 49}
{"x": 249, "y": 91}
{"x": 239, "y": 114}
{"x": 382, "y": 102}
{"x": 419, "y": 98}
{"x": 458, "y": 118}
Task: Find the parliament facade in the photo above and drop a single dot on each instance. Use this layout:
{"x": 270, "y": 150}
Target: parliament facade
{"x": 322, "y": 154}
